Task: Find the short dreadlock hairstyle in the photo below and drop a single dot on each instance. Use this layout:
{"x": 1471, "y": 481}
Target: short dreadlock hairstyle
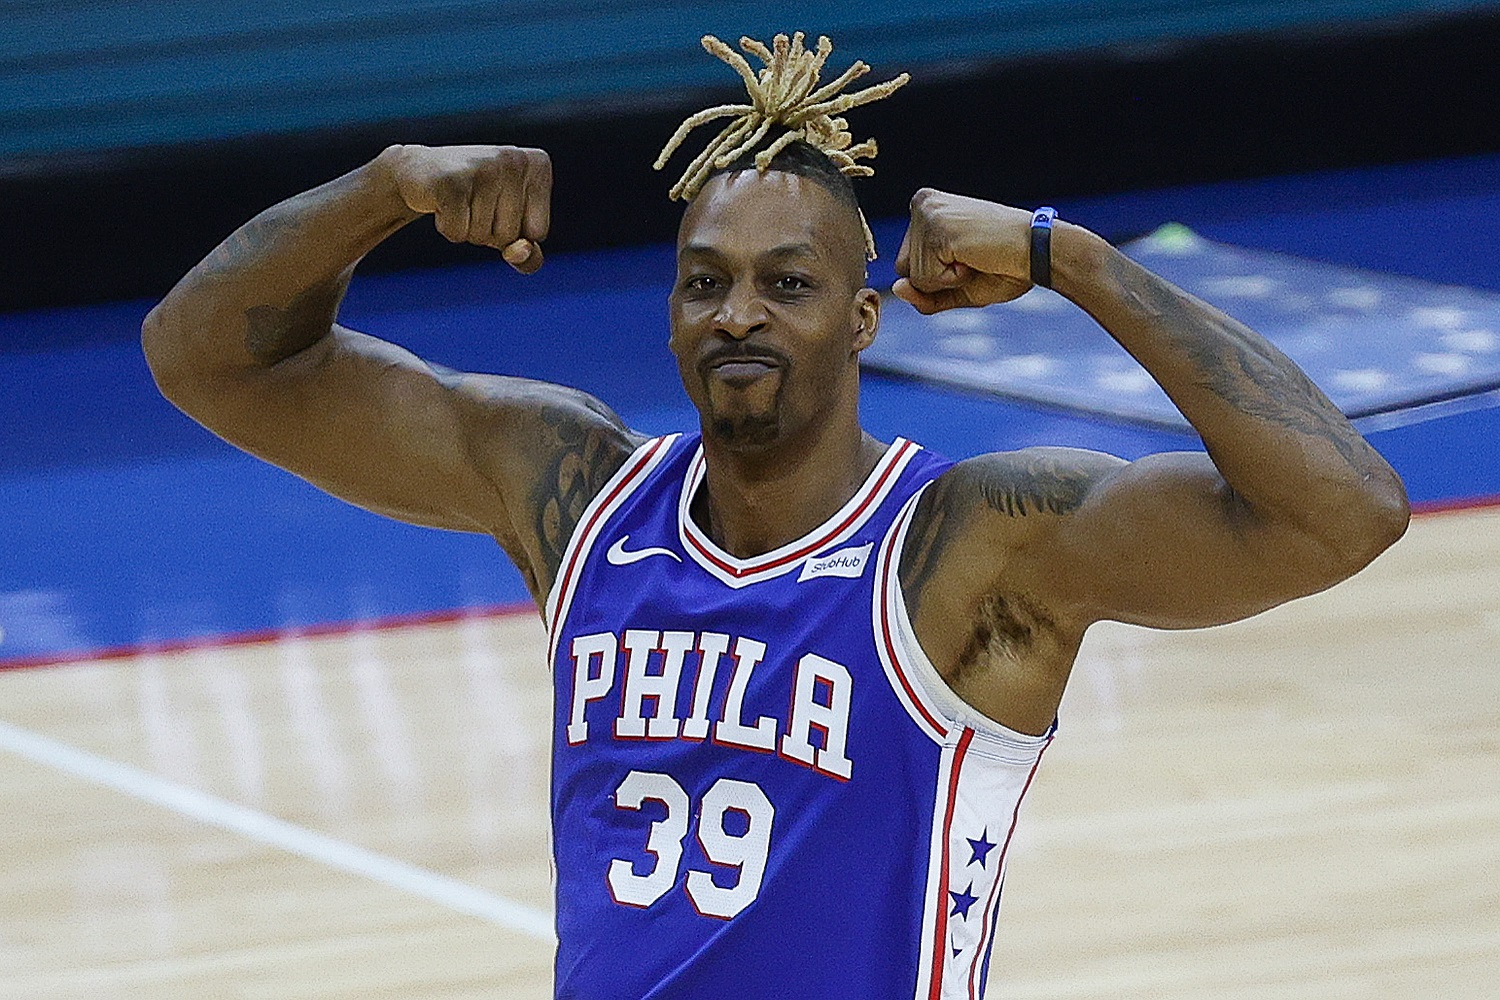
{"x": 785, "y": 93}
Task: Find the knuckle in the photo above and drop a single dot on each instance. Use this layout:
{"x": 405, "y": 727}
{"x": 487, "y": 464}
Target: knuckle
{"x": 539, "y": 173}
{"x": 538, "y": 160}
{"x": 451, "y": 188}
{"x": 508, "y": 163}
{"x": 506, "y": 229}
{"x": 487, "y": 168}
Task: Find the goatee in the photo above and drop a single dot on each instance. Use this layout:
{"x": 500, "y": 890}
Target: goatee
{"x": 750, "y": 431}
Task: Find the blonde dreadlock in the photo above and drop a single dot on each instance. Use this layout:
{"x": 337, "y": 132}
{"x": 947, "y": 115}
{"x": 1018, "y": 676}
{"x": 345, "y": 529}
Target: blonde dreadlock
{"x": 784, "y": 93}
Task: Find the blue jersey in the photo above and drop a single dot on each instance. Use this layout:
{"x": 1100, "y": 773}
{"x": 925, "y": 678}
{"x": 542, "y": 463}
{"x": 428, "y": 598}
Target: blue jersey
{"x": 761, "y": 787}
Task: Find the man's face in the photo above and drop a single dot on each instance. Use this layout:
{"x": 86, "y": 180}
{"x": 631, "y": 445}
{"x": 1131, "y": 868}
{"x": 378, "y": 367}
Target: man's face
{"x": 768, "y": 311}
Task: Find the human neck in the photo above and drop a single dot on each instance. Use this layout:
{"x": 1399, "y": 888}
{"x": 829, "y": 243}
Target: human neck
{"x": 754, "y": 503}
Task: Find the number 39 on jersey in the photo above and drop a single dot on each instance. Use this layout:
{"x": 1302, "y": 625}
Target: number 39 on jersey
{"x": 734, "y": 822}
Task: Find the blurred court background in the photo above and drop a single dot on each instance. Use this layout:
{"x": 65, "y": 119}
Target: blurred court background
{"x": 255, "y": 743}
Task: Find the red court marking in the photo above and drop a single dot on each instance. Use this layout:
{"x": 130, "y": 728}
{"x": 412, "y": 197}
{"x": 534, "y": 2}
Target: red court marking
{"x": 1425, "y": 508}
{"x": 1449, "y": 506}
{"x": 414, "y": 619}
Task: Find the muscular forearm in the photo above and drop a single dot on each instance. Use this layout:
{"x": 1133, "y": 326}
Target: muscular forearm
{"x": 273, "y": 287}
{"x": 1277, "y": 440}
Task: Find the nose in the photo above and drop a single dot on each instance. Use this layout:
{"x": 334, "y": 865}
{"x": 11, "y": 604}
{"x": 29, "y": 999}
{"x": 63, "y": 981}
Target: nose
{"x": 741, "y": 313}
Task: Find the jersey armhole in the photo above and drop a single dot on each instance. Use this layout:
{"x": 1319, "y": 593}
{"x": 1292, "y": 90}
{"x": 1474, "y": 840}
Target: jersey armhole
{"x": 932, "y": 704}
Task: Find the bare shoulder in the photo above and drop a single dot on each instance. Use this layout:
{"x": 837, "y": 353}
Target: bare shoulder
{"x": 554, "y": 447}
{"x": 996, "y": 501}
{"x": 973, "y": 574}
{"x": 1031, "y": 481}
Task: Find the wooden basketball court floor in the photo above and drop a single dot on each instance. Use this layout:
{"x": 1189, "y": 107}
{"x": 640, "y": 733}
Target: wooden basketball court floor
{"x": 1304, "y": 805}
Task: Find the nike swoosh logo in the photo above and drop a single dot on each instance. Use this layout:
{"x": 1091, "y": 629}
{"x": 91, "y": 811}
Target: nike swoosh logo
{"x": 618, "y": 556}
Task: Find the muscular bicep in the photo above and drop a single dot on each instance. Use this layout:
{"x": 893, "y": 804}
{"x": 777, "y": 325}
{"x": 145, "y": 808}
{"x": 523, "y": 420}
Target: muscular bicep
{"x": 361, "y": 418}
{"x": 1081, "y": 536}
{"x": 1164, "y": 541}
{"x": 372, "y": 423}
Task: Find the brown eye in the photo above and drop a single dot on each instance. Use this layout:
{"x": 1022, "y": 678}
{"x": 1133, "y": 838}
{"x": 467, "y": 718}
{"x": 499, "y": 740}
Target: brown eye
{"x": 791, "y": 283}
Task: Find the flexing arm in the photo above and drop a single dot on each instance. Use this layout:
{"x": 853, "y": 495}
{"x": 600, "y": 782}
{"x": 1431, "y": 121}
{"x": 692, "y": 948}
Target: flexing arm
{"x": 1288, "y": 500}
{"x": 247, "y": 344}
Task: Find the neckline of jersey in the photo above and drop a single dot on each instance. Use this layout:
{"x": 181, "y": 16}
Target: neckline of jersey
{"x": 840, "y": 525}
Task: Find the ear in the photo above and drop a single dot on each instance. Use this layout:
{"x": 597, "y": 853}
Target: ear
{"x": 866, "y": 317}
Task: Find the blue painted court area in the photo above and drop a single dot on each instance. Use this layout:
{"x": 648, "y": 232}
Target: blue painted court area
{"x": 125, "y": 524}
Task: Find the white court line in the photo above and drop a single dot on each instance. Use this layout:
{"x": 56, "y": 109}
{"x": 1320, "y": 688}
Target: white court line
{"x": 258, "y": 826}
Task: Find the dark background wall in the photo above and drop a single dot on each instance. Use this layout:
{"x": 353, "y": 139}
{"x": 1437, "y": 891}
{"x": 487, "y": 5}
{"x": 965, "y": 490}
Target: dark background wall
{"x": 1034, "y": 123}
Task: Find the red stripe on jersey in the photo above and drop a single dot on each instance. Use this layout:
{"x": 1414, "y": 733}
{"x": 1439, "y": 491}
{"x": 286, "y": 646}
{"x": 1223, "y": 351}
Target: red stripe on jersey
{"x": 989, "y": 910}
{"x": 940, "y": 930}
{"x": 742, "y": 571}
{"x": 889, "y": 641}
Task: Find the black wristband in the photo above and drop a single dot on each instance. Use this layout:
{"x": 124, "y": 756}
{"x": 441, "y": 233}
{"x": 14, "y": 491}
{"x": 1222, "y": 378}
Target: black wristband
{"x": 1041, "y": 246}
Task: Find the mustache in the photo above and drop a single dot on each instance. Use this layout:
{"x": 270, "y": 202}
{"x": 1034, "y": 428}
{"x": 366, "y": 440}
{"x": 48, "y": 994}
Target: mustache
{"x": 742, "y": 351}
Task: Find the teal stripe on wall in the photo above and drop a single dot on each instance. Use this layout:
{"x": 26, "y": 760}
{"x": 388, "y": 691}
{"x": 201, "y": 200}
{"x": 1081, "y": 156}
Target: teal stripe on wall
{"x": 80, "y": 77}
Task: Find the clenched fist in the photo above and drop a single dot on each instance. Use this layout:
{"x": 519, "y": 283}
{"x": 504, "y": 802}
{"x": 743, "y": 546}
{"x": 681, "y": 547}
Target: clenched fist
{"x": 962, "y": 251}
{"x": 495, "y": 196}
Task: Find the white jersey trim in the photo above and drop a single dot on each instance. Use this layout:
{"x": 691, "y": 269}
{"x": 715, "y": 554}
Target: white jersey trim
{"x": 635, "y": 471}
{"x": 981, "y": 784}
{"x": 905, "y": 681}
{"x": 840, "y": 527}
{"x": 983, "y": 775}
{"x": 932, "y": 704}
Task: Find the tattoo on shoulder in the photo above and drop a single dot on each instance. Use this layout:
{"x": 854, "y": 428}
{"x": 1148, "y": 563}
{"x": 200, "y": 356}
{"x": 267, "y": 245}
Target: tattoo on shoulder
{"x": 1022, "y": 484}
{"x": 926, "y": 540}
{"x": 577, "y": 442}
{"x": 1018, "y": 484}
{"x": 586, "y": 449}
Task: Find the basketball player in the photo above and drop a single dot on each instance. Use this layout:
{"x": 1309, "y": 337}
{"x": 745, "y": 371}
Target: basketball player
{"x": 803, "y": 677}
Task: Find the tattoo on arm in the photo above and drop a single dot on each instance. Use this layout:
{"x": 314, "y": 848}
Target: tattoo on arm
{"x": 1241, "y": 367}
{"x": 1034, "y": 484}
{"x": 274, "y": 333}
{"x": 584, "y": 454}
{"x": 247, "y": 242}
{"x": 1019, "y": 484}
